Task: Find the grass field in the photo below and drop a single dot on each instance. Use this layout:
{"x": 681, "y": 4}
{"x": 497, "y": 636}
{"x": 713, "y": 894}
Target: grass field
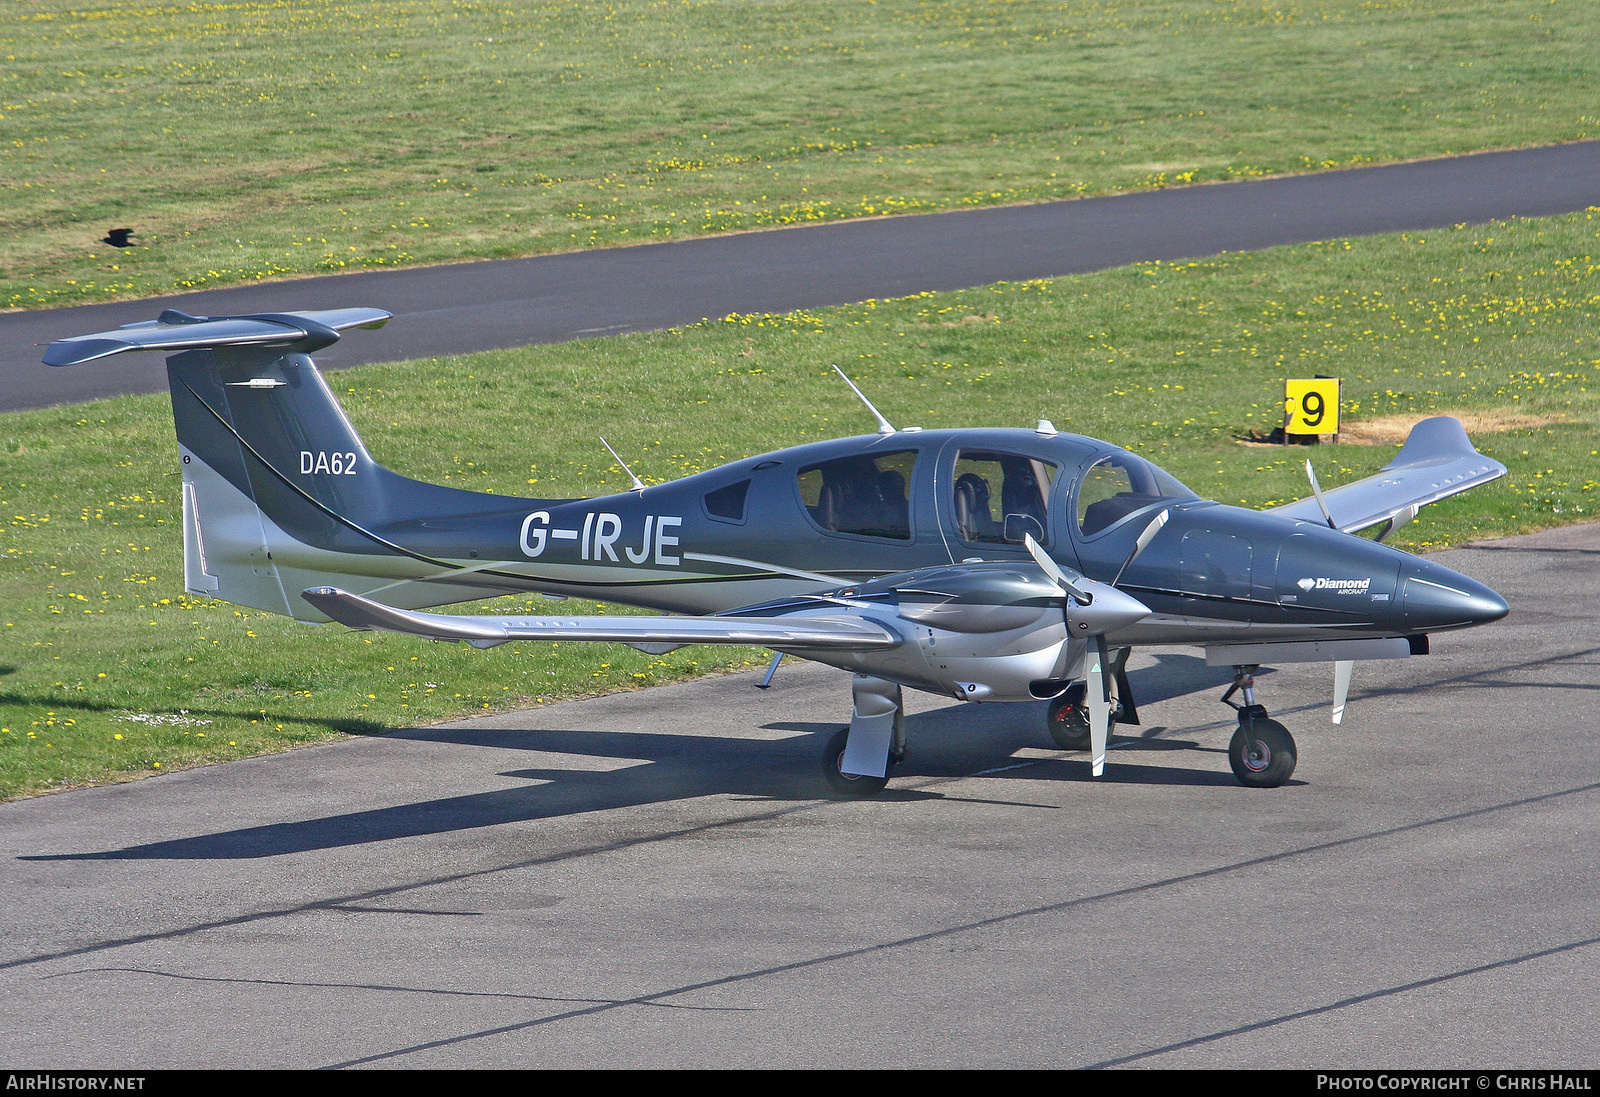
{"x": 266, "y": 138}
{"x": 107, "y": 669}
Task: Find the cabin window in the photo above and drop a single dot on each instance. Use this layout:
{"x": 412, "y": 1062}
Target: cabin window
{"x": 868, "y": 495}
{"x": 1118, "y": 485}
{"x": 728, "y": 503}
{"x": 987, "y": 486}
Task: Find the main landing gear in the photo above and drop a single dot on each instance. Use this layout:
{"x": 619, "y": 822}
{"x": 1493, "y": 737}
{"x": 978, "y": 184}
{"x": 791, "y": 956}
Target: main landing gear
{"x": 859, "y": 759}
{"x": 1262, "y": 751}
{"x": 1068, "y": 715}
{"x": 854, "y": 784}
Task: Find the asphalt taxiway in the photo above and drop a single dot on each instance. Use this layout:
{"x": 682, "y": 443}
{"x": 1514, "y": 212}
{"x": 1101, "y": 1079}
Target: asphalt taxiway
{"x": 656, "y": 879}
{"x": 516, "y": 302}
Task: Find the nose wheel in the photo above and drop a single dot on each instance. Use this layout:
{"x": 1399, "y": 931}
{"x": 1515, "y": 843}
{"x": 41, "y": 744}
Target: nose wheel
{"x": 1262, "y": 752}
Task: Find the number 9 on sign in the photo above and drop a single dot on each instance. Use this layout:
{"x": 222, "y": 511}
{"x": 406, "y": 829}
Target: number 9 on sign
{"x": 1312, "y": 407}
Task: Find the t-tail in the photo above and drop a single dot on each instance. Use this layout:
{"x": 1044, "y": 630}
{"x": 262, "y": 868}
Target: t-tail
{"x": 279, "y": 494}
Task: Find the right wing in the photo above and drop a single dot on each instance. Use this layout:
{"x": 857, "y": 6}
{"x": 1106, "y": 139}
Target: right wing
{"x": 1437, "y": 461}
{"x": 830, "y": 632}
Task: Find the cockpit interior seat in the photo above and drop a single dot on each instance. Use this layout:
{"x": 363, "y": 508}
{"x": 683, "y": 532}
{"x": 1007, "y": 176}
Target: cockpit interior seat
{"x": 1104, "y": 513}
{"x": 973, "y": 517}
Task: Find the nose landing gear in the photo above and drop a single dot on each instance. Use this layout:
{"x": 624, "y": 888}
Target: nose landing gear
{"x": 1262, "y": 752}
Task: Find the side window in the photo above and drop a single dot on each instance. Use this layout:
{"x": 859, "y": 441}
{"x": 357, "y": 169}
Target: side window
{"x": 866, "y": 495}
{"x": 728, "y": 503}
{"x": 987, "y": 486}
{"x": 1118, "y": 485}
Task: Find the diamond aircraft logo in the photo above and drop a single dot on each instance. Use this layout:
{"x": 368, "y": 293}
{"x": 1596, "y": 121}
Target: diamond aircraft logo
{"x": 1338, "y": 586}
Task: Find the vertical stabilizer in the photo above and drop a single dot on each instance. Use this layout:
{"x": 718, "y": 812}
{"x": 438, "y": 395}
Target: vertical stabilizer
{"x": 279, "y": 493}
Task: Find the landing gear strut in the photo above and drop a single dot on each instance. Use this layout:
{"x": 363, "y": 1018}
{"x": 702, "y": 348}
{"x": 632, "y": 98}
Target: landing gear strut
{"x": 859, "y": 759}
{"x": 853, "y": 784}
{"x": 1262, "y": 752}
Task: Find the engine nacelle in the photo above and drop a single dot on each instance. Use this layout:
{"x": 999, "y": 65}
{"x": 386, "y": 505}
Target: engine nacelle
{"x": 979, "y": 599}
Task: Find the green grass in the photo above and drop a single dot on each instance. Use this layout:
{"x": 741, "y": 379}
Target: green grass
{"x": 1176, "y": 360}
{"x": 267, "y": 139}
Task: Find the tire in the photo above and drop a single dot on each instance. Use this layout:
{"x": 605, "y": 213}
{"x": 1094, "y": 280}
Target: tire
{"x": 1271, "y": 758}
{"x": 1068, "y": 719}
{"x": 848, "y": 784}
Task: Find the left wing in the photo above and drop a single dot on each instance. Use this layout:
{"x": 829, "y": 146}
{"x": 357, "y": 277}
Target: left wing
{"x": 1437, "y": 461}
{"x": 830, "y": 632}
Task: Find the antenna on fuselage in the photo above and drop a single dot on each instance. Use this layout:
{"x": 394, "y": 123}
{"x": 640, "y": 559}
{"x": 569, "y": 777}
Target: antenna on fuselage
{"x": 884, "y": 426}
{"x": 638, "y": 484}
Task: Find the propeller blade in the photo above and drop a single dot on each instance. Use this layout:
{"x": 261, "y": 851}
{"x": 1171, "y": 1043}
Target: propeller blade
{"x": 1316, "y": 489}
{"x": 1053, "y": 570}
{"x": 1143, "y": 542}
{"x": 1098, "y": 696}
{"x": 1341, "y": 687}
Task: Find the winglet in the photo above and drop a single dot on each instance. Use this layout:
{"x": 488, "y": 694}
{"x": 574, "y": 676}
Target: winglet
{"x": 1440, "y": 438}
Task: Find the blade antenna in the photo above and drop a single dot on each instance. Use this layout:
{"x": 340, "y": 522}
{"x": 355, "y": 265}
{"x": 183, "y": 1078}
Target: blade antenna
{"x": 1316, "y": 489}
{"x": 884, "y": 426}
{"x": 772, "y": 669}
{"x": 638, "y": 484}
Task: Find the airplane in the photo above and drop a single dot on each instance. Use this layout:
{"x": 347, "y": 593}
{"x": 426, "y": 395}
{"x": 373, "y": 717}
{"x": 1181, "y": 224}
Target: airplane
{"x": 985, "y": 564}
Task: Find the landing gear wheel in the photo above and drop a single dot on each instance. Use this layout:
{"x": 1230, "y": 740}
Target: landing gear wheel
{"x": 1068, "y": 719}
{"x": 849, "y": 784}
{"x": 1262, "y": 753}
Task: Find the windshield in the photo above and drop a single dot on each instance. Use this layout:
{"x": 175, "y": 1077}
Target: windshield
{"x": 1116, "y": 486}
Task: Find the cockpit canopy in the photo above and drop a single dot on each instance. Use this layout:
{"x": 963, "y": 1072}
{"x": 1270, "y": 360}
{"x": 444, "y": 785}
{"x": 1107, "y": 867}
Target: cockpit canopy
{"x": 1119, "y": 484}
{"x": 971, "y": 490}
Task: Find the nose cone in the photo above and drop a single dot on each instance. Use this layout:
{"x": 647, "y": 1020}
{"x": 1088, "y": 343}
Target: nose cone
{"x": 1111, "y": 610}
{"x": 1436, "y": 598}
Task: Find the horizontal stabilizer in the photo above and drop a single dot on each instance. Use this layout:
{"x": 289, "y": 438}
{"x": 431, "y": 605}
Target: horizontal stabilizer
{"x": 1437, "y": 461}
{"x": 833, "y": 632}
{"x": 174, "y": 330}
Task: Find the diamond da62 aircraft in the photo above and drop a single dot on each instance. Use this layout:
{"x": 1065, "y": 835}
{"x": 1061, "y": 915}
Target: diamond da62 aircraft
{"x": 983, "y": 564}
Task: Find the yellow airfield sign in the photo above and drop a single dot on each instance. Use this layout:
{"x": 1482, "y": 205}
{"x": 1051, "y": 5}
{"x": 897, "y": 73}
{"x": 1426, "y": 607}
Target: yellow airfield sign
{"x": 1311, "y": 406}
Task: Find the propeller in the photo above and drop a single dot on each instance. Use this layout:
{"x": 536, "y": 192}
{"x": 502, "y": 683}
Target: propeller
{"x": 1053, "y": 570}
{"x": 1099, "y": 608}
{"x": 1145, "y": 537}
{"x": 1096, "y": 666}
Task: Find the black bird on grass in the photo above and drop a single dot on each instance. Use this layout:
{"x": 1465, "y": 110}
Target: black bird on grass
{"x": 118, "y": 238}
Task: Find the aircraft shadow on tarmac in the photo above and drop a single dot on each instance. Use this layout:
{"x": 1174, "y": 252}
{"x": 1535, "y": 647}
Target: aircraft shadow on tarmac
{"x": 957, "y": 741}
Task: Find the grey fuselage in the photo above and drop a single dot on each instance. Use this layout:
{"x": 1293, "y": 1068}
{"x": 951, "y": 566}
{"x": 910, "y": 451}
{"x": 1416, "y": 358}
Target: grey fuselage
{"x": 1214, "y": 573}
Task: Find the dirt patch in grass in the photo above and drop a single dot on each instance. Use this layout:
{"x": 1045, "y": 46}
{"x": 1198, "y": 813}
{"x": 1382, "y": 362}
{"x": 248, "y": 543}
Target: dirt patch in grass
{"x": 1391, "y": 430}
